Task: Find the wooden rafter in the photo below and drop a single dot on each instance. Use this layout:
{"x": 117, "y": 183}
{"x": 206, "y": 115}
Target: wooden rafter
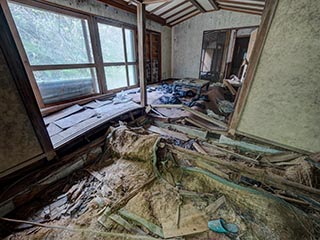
{"x": 253, "y": 4}
{"x": 214, "y": 4}
{"x": 182, "y": 10}
{"x": 197, "y": 5}
{"x": 243, "y": 10}
{"x": 184, "y": 19}
{"x": 133, "y": 9}
{"x": 184, "y": 15}
{"x": 174, "y": 7}
{"x": 160, "y": 7}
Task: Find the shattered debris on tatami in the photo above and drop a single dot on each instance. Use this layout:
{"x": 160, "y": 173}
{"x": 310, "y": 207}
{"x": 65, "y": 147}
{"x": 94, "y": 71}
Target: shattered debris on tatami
{"x": 145, "y": 183}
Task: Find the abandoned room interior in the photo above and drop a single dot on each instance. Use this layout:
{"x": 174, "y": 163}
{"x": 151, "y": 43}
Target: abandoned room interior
{"x": 160, "y": 119}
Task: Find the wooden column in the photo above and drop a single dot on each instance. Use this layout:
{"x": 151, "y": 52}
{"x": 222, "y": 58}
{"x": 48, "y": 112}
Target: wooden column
{"x": 141, "y": 22}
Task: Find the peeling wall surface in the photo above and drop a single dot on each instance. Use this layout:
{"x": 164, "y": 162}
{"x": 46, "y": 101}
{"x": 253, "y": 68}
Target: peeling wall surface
{"x": 18, "y": 142}
{"x": 187, "y": 38}
{"x": 283, "y": 103}
{"x": 104, "y": 10}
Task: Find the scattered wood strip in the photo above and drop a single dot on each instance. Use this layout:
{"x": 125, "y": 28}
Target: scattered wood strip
{"x": 206, "y": 117}
{"x": 188, "y": 130}
{"x": 124, "y": 223}
{"x": 83, "y": 231}
{"x": 260, "y": 175}
{"x": 205, "y": 127}
{"x": 141, "y": 221}
{"x": 199, "y": 148}
{"x": 213, "y": 207}
{"x": 169, "y": 133}
{"x": 245, "y": 158}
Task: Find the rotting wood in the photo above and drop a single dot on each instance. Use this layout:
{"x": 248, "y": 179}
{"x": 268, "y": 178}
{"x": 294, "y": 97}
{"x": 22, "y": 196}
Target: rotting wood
{"x": 260, "y": 175}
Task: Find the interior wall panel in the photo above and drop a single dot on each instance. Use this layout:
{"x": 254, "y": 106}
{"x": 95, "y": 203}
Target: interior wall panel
{"x": 283, "y": 105}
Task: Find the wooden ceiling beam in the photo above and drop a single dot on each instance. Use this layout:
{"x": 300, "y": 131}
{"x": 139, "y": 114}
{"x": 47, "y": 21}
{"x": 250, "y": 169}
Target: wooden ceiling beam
{"x": 242, "y": 7}
{"x": 133, "y": 9}
{"x": 182, "y": 10}
{"x": 197, "y": 5}
{"x": 160, "y": 7}
{"x": 241, "y": 10}
{"x": 174, "y": 7}
{"x": 241, "y": 3}
{"x": 185, "y": 19}
{"x": 184, "y": 15}
{"x": 214, "y": 4}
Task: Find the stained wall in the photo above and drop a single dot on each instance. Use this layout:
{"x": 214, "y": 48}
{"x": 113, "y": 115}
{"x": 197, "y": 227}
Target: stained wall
{"x": 283, "y": 105}
{"x": 187, "y": 38}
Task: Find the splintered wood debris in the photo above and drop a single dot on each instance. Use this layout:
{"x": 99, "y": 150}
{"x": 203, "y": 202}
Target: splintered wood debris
{"x": 167, "y": 180}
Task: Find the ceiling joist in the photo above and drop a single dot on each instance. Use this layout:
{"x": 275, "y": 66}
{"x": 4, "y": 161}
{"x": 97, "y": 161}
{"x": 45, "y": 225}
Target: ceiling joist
{"x": 173, "y": 12}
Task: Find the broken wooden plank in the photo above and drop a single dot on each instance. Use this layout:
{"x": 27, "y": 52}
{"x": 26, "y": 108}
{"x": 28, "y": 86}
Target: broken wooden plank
{"x": 167, "y": 105}
{"x": 75, "y": 118}
{"x": 213, "y": 207}
{"x": 204, "y": 126}
{"x": 188, "y": 130}
{"x": 61, "y": 114}
{"x": 141, "y": 221}
{"x": 257, "y": 174}
{"x": 247, "y": 146}
{"x": 168, "y": 133}
{"x": 53, "y": 129}
{"x": 280, "y": 157}
{"x": 245, "y": 158}
{"x": 206, "y": 117}
{"x": 124, "y": 223}
{"x": 191, "y": 221}
{"x": 199, "y": 148}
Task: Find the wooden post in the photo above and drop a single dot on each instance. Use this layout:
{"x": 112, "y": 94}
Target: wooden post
{"x": 141, "y": 22}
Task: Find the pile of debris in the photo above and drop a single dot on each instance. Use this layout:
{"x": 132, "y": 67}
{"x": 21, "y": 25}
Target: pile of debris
{"x": 175, "y": 175}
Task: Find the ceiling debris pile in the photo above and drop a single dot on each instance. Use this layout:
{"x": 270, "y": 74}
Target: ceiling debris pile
{"x": 171, "y": 179}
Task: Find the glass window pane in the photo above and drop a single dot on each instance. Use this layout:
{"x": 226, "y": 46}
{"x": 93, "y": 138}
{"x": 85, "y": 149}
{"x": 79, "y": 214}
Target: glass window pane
{"x": 116, "y": 77}
{"x": 132, "y": 70}
{"x": 60, "y": 85}
{"x": 50, "y": 38}
{"x": 111, "y": 39}
{"x": 130, "y": 45}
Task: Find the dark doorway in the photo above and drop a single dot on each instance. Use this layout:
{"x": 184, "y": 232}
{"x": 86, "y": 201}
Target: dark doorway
{"x": 239, "y": 54}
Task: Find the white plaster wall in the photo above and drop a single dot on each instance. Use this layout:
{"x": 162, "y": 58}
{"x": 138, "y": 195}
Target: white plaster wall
{"x": 187, "y": 38}
{"x": 104, "y": 10}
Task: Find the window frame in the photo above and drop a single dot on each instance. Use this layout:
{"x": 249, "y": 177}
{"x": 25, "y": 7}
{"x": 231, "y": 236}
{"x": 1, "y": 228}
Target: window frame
{"x": 123, "y": 26}
{"x": 97, "y": 61}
